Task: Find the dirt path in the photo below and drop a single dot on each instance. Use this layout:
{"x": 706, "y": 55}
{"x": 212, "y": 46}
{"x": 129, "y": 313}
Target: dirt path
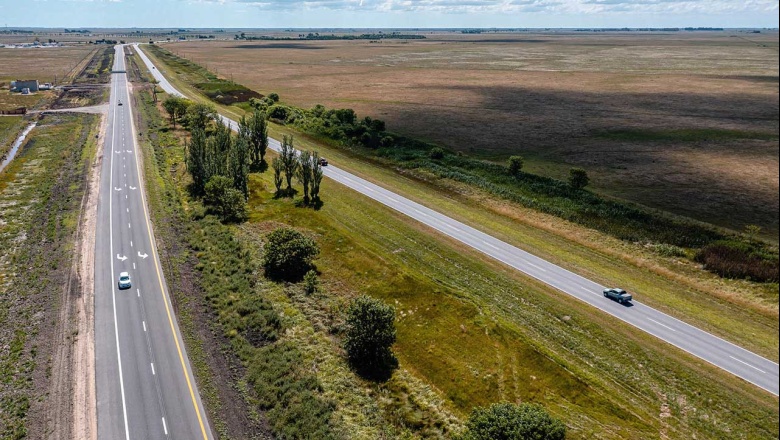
{"x": 84, "y": 398}
{"x": 97, "y": 109}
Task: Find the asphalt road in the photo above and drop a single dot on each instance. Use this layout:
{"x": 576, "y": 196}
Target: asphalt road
{"x": 145, "y": 386}
{"x": 742, "y": 363}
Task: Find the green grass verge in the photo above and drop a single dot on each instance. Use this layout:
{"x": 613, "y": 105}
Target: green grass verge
{"x": 40, "y": 199}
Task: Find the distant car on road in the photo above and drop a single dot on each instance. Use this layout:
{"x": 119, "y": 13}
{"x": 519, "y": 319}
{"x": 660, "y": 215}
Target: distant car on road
{"x": 618, "y": 295}
{"x": 124, "y": 280}
{"x": 119, "y": 103}
{"x": 323, "y": 162}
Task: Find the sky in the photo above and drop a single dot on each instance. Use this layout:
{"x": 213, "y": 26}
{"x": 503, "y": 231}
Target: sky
{"x": 388, "y": 13}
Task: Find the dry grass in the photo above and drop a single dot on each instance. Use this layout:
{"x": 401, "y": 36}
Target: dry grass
{"x": 700, "y": 109}
{"x": 42, "y": 64}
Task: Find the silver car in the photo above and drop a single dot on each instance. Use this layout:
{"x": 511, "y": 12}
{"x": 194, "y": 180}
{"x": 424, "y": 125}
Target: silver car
{"x": 124, "y": 280}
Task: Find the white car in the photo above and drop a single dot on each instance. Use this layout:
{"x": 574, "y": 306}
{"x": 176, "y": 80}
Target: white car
{"x": 124, "y": 280}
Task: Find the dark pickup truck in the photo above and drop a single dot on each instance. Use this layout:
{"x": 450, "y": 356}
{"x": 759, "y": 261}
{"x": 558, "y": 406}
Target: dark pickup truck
{"x": 618, "y": 295}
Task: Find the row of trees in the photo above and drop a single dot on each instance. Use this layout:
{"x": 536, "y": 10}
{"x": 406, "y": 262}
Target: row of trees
{"x": 578, "y": 177}
{"x": 305, "y": 167}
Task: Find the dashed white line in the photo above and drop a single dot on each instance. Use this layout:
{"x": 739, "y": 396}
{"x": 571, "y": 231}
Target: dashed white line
{"x": 152, "y": 364}
{"x": 165, "y": 428}
{"x": 144, "y": 323}
{"x": 128, "y": 226}
{"x": 751, "y": 366}
{"x": 662, "y": 325}
{"x": 133, "y": 266}
{"x": 131, "y": 243}
{"x": 138, "y": 290}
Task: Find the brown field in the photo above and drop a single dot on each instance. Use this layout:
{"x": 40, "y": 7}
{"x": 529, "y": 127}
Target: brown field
{"x": 42, "y": 64}
{"x": 684, "y": 122}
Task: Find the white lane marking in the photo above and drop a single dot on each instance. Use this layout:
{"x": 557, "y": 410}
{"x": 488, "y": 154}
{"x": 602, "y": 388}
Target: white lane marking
{"x": 125, "y": 196}
{"x": 133, "y": 266}
{"x": 662, "y": 325}
{"x": 165, "y": 428}
{"x": 131, "y": 243}
{"x": 128, "y": 209}
{"x": 152, "y": 364}
{"x": 113, "y": 287}
{"x": 129, "y": 227}
{"x": 144, "y": 323}
{"x": 587, "y": 290}
{"x": 751, "y": 366}
{"x": 138, "y": 290}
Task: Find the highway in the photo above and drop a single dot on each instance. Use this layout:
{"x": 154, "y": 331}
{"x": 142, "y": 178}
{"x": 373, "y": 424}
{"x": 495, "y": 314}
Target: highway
{"x": 749, "y": 366}
{"x": 145, "y": 386}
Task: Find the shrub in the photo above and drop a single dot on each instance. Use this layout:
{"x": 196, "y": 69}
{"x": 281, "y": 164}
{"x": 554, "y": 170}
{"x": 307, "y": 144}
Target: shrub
{"x": 515, "y": 165}
{"x": 370, "y": 335}
{"x": 733, "y": 259}
{"x": 288, "y": 254}
{"x": 669, "y": 250}
{"x": 386, "y": 141}
{"x": 436, "y": 153}
{"x": 578, "y": 178}
{"x": 223, "y": 200}
{"x": 310, "y": 282}
{"x": 507, "y": 421}
{"x": 273, "y": 97}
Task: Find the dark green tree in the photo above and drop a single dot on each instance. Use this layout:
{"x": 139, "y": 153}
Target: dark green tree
{"x": 171, "y": 107}
{"x": 200, "y": 115}
{"x": 238, "y": 166}
{"x": 289, "y": 161}
{"x": 224, "y": 201}
{"x": 258, "y": 138}
{"x": 288, "y": 254}
{"x": 316, "y": 177}
{"x": 304, "y": 173}
{"x": 196, "y": 161}
{"x": 369, "y": 337}
{"x": 507, "y": 421}
{"x": 578, "y": 178}
{"x": 436, "y": 153}
{"x": 278, "y": 167}
{"x": 515, "y": 165}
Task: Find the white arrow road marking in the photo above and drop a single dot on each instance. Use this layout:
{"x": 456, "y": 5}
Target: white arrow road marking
{"x": 133, "y": 187}
{"x": 117, "y": 152}
{"x": 122, "y": 258}
{"x": 117, "y": 189}
{"x": 129, "y": 151}
{"x": 142, "y": 256}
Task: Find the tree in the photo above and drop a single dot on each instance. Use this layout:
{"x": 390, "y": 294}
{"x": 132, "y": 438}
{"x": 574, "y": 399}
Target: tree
{"x": 316, "y": 176}
{"x": 289, "y": 161}
{"x": 288, "y": 254}
{"x": 171, "y": 107}
{"x": 199, "y": 115}
{"x": 273, "y": 97}
{"x": 257, "y": 135}
{"x": 578, "y": 178}
{"x": 278, "y": 167}
{"x": 304, "y": 173}
{"x": 515, "y": 165}
{"x": 370, "y": 335}
{"x": 223, "y": 200}
{"x": 238, "y": 166}
{"x": 507, "y": 421}
{"x": 196, "y": 161}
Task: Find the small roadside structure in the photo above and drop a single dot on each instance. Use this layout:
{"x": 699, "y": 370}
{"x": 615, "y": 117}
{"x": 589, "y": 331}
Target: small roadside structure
{"x": 20, "y": 84}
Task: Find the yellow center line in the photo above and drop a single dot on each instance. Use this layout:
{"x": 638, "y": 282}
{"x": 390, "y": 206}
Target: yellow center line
{"x": 141, "y": 185}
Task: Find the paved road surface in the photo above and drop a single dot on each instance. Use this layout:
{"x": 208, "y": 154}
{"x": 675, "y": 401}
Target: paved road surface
{"x": 734, "y": 359}
{"x": 145, "y": 387}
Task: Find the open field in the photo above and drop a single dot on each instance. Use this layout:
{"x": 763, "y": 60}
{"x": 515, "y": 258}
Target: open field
{"x": 682, "y": 122}
{"x": 476, "y": 332}
{"x": 43, "y": 64}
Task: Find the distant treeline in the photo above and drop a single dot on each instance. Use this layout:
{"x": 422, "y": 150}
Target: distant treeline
{"x": 317, "y": 36}
{"x": 648, "y": 29}
{"x": 15, "y": 31}
{"x": 77, "y": 31}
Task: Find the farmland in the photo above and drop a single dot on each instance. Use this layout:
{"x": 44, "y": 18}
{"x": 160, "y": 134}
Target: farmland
{"x": 686, "y": 123}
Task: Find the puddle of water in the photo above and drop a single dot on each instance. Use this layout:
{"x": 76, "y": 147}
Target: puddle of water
{"x": 16, "y": 145}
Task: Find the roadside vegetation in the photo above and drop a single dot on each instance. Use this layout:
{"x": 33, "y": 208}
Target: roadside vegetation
{"x": 468, "y": 330}
{"x": 40, "y": 199}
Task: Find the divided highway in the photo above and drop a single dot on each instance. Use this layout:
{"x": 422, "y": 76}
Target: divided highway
{"x": 145, "y": 386}
{"x": 732, "y": 358}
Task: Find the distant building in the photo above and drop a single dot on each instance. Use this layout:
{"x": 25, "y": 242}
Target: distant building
{"x": 20, "y": 84}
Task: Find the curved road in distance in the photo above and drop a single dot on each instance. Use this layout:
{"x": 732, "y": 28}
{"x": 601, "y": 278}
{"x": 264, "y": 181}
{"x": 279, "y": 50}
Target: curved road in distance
{"x": 742, "y": 363}
{"x": 145, "y": 386}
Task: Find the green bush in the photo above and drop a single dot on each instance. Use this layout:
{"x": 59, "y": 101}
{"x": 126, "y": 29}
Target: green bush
{"x": 515, "y": 165}
{"x": 507, "y": 421}
{"x": 288, "y": 254}
{"x": 310, "y": 282}
{"x": 436, "y": 153}
{"x": 223, "y": 200}
{"x": 578, "y": 178}
{"x": 369, "y": 337}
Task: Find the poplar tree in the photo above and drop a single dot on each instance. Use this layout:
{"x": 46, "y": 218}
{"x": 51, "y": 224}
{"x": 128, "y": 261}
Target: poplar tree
{"x": 289, "y": 162}
{"x": 304, "y": 173}
{"x": 196, "y": 161}
{"x": 316, "y": 176}
{"x": 238, "y": 165}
